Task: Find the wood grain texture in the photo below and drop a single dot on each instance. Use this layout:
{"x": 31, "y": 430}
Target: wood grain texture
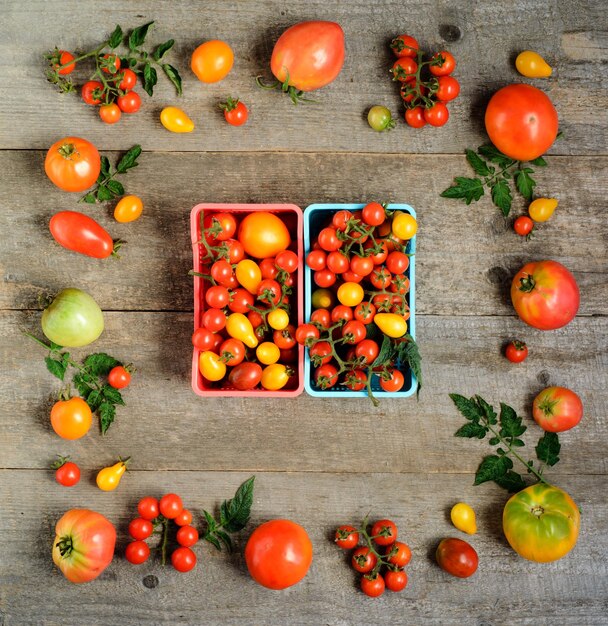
{"x": 489, "y": 35}
{"x": 466, "y": 256}
{"x": 305, "y": 433}
{"x": 505, "y": 590}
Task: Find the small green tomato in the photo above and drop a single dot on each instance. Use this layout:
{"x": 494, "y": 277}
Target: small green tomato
{"x": 380, "y": 118}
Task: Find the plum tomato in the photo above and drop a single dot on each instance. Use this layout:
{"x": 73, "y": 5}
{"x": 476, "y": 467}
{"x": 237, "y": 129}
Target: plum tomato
{"x": 384, "y": 532}
{"x": 457, "y": 557}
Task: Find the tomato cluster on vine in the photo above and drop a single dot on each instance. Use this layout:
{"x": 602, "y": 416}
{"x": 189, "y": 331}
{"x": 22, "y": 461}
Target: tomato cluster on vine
{"x": 163, "y": 517}
{"x": 246, "y": 336}
{"x": 426, "y": 86}
{"x": 381, "y": 560}
{"x": 360, "y": 263}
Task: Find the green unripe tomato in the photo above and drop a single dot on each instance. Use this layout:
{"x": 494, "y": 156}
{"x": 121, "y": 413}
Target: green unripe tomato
{"x": 380, "y": 118}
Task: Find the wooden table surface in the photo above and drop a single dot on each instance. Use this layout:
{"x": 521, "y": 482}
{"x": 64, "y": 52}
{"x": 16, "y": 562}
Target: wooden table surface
{"x": 318, "y": 462}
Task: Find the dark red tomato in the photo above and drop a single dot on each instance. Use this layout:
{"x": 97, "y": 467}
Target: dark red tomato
{"x": 398, "y": 554}
{"x": 110, "y": 63}
{"x": 353, "y": 332}
{"x": 270, "y": 292}
{"x": 448, "y": 88}
{"x": 148, "y": 508}
{"x": 287, "y": 261}
{"x": 128, "y": 80}
{"x": 320, "y": 353}
{"x": 289, "y": 356}
{"x": 170, "y": 505}
{"x": 222, "y": 273}
{"x": 404, "y": 69}
{"x": 324, "y": 278}
{"x": 355, "y": 380}
{"x": 457, "y": 557}
{"x": 217, "y": 297}
{"x": 140, "y": 528}
{"x": 341, "y": 312}
{"x": 442, "y": 64}
{"x": 328, "y": 239}
{"x": 236, "y": 252}
{"x": 268, "y": 268}
{"x": 415, "y": 117}
{"x": 384, "y": 532}
{"x": 351, "y": 277}
{"x": 346, "y": 537}
{"x": 245, "y": 376}
{"x": 437, "y": 115}
{"x": 397, "y": 262}
{"x": 183, "y": 559}
{"x": 367, "y": 350}
{"x": 286, "y": 338}
{"x": 404, "y": 46}
{"x": 380, "y": 278}
{"x": 241, "y": 301}
{"x": 214, "y": 320}
{"x": 364, "y": 312}
{"x": 308, "y": 55}
{"x": 236, "y": 113}
{"x": 92, "y": 92}
{"x": 322, "y": 317}
{"x": 316, "y": 260}
{"x": 79, "y": 233}
{"x": 394, "y": 382}
{"x": 129, "y": 102}
{"x": 372, "y": 585}
{"x": 119, "y": 377}
{"x": 326, "y": 376}
{"x": 306, "y": 331}
{"x": 363, "y": 560}
{"x": 373, "y": 214}
{"x": 362, "y": 265}
{"x": 523, "y": 226}
{"x": 67, "y": 474}
{"x": 187, "y": 536}
{"x": 516, "y": 351}
{"x": 337, "y": 262}
{"x": 395, "y": 580}
{"x": 340, "y": 219}
{"x": 232, "y": 351}
{"x": 137, "y": 552}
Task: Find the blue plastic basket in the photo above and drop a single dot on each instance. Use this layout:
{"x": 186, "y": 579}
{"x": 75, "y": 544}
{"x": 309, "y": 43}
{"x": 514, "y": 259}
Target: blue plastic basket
{"x": 315, "y": 218}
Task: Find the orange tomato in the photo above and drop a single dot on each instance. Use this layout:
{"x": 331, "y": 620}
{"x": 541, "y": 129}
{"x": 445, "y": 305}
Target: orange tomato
{"x": 71, "y": 419}
{"x": 128, "y": 209}
{"x": 73, "y": 164}
{"x": 212, "y": 61}
{"x": 263, "y": 235}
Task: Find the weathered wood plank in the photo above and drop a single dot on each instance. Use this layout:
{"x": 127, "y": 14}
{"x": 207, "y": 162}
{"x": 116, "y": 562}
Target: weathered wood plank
{"x": 465, "y": 260}
{"x": 506, "y": 589}
{"x": 307, "y": 434}
{"x": 488, "y": 37}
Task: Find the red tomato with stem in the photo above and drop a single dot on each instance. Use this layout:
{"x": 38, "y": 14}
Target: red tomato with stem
{"x": 128, "y": 80}
{"x": 404, "y": 46}
{"x": 346, "y": 537}
{"x": 404, "y": 69}
{"x": 367, "y": 350}
{"x": 394, "y": 381}
{"x": 236, "y": 252}
{"x": 384, "y": 532}
{"x": 236, "y": 112}
{"x": 448, "y": 88}
{"x": 398, "y": 554}
{"x": 353, "y": 332}
{"x": 320, "y": 353}
{"x": 328, "y": 239}
{"x": 72, "y": 164}
{"x": 129, "y": 102}
{"x": 232, "y": 351}
{"x": 222, "y": 272}
{"x": 80, "y": 233}
{"x": 270, "y": 292}
{"x": 556, "y": 409}
{"x": 67, "y": 473}
{"x": 285, "y": 339}
{"x": 437, "y": 115}
{"x": 241, "y": 301}
{"x": 340, "y": 219}
{"x": 110, "y": 63}
{"x": 363, "y": 560}
{"x": 268, "y": 268}
{"x": 65, "y": 58}
{"x": 364, "y": 312}
{"x": 223, "y": 225}
{"x": 306, "y": 331}
{"x": 355, "y": 380}
{"x": 326, "y": 376}
{"x": 442, "y": 63}
{"x": 395, "y": 580}
{"x": 516, "y": 351}
{"x": 352, "y": 277}
{"x": 341, "y": 312}
{"x": 321, "y": 317}
{"x": 457, "y": 557}
{"x": 287, "y": 261}
{"x": 415, "y": 117}
{"x": 92, "y": 92}
{"x": 372, "y": 585}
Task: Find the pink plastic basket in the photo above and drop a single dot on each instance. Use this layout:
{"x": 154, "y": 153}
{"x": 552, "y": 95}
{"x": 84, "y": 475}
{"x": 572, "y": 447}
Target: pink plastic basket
{"x": 292, "y": 217}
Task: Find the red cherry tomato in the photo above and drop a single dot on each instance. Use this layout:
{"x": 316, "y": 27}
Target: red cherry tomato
{"x": 395, "y": 381}
{"x": 404, "y": 46}
{"x": 367, "y": 350}
{"x": 353, "y": 332}
{"x": 364, "y": 312}
{"x": 110, "y": 113}
{"x": 384, "y": 532}
{"x": 415, "y": 117}
{"x": 404, "y": 69}
{"x": 187, "y": 536}
{"x": 337, "y": 262}
{"x": 346, "y": 537}
{"x": 398, "y": 554}
{"x": 111, "y": 63}
{"x": 65, "y": 58}
{"x": 443, "y": 63}
{"x": 217, "y": 297}
{"x": 340, "y": 219}
{"x": 232, "y": 352}
{"x": 245, "y": 376}
{"x": 170, "y": 505}
{"x": 92, "y": 92}
{"x": 320, "y": 353}
{"x": 137, "y": 552}
{"x": 67, "y": 474}
{"x": 140, "y": 528}
{"x": 326, "y": 376}
{"x": 372, "y": 585}
{"x": 395, "y": 580}
{"x": 241, "y": 301}
{"x": 287, "y": 261}
{"x": 328, "y": 239}
{"x": 183, "y": 559}
{"x": 523, "y": 226}
{"x": 373, "y": 214}
{"x": 363, "y": 560}
{"x": 516, "y": 351}
{"x": 235, "y": 112}
{"x": 316, "y": 260}
{"x": 128, "y": 80}
{"x": 324, "y": 278}
{"x": 437, "y": 115}
{"x": 129, "y": 102}
{"x": 119, "y": 377}
{"x": 362, "y": 265}
{"x": 356, "y": 380}
{"x": 214, "y": 320}
{"x": 148, "y": 508}
{"x": 448, "y": 88}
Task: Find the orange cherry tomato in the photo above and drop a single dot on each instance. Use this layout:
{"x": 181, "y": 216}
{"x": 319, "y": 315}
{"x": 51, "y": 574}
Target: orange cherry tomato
{"x": 212, "y": 61}
{"x": 110, "y": 113}
{"x": 128, "y": 209}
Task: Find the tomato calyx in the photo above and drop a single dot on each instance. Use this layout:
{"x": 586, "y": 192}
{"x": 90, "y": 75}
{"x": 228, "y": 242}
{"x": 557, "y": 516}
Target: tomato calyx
{"x": 519, "y": 345}
{"x": 527, "y": 283}
{"x": 229, "y": 105}
{"x": 65, "y": 545}
{"x": 547, "y": 406}
{"x": 68, "y": 151}
{"x": 60, "y": 462}
{"x": 295, "y": 95}
{"x": 537, "y": 510}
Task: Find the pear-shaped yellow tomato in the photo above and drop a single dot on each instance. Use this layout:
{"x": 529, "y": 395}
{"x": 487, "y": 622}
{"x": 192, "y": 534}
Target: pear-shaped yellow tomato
{"x": 175, "y": 120}
{"x": 541, "y": 209}
{"x": 249, "y": 275}
{"x": 109, "y": 477}
{"x": 463, "y": 517}
{"x": 275, "y": 376}
{"x": 391, "y": 324}
{"x": 239, "y": 327}
{"x": 211, "y": 366}
{"x": 404, "y": 225}
{"x": 128, "y": 209}
{"x": 278, "y": 319}
{"x": 532, "y": 65}
{"x": 541, "y": 523}
{"x": 268, "y": 353}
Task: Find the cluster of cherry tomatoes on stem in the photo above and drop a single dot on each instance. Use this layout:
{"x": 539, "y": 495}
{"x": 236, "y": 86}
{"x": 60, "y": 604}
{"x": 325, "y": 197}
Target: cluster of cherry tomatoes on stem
{"x": 246, "y": 335}
{"x": 381, "y": 559}
{"x": 426, "y": 86}
{"x": 155, "y": 517}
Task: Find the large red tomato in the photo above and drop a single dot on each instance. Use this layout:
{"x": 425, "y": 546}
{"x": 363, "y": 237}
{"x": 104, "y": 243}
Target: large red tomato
{"x": 521, "y": 121}
{"x": 556, "y": 409}
{"x": 263, "y": 235}
{"x": 545, "y": 295}
{"x": 84, "y": 545}
{"x": 278, "y": 554}
{"x": 309, "y": 54}
{"x": 73, "y": 164}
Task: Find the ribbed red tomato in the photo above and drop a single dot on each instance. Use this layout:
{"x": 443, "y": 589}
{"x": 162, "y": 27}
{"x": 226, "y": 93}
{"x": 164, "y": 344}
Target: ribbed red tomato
{"x": 81, "y": 233}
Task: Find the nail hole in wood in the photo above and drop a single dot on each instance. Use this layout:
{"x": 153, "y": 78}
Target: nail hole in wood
{"x": 543, "y": 377}
{"x": 150, "y": 581}
{"x": 450, "y": 32}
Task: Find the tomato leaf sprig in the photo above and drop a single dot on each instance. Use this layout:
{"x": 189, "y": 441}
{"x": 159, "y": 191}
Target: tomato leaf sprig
{"x": 106, "y": 187}
{"x": 234, "y": 515}
{"x": 505, "y": 431}
{"x": 496, "y": 179}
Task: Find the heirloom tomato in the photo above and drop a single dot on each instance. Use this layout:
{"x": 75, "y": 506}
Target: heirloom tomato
{"x": 521, "y": 122}
{"x": 80, "y": 233}
{"x": 83, "y": 545}
{"x": 545, "y": 295}
{"x": 278, "y": 554}
{"x": 308, "y": 55}
{"x": 263, "y": 235}
{"x": 212, "y": 61}
{"x": 541, "y": 523}
{"x": 457, "y": 557}
{"x": 556, "y": 409}
{"x": 73, "y": 164}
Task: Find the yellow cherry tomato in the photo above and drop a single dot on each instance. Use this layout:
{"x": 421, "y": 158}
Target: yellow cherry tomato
{"x": 109, "y": 477}
{"x": 268, "y": 353}
{"x": 278, "y": 319}
{"x": 541, "y": 209}
{"x": 239, "y": 327}
{"x": 212, "y": 61}
{"x": 391, "y": 324}
{"x": 275, "y": 376}
{"x": 463, "y": 517}
{"x": 404, "y": 225}
{"x": 176, "y": 120}
{"x": 128, "y": 209}
{"x": 249, "y": 275}
{"x": 211, "y": 366}
{"x": 532, "y": 65}
{"x": 350, "y": 294}
{"x": 322, "y": 299}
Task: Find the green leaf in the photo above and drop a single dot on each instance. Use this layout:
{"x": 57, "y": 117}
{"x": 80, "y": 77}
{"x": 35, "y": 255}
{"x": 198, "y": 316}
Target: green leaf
{"x": 213, "y": 541}
{"x": 100, "y": 363}
{"x": 104, "y": 194}
{"x": 107, "y": 413}
{"x": 547, "y": 449}
{"x": 89, "y": 198}
{"x": 112, "y": 395}
{"x": 466, "y": 189}
{"x": 57, "y": 367}
{"x": 83, "y": 383}
{"x": 162, "y": 49}
{"x": 225, "y": 537}
{"x": 494, "y": 441}
{"x": 471, "y": 430}
{"x": 492, "y": 468}
{"x": 173, "y": 75}
{"x": 478, "y": 164}
{"x": 94, "y": 399}
{"x": 115, "y": 37}
{"x": 501, "y": 196}
{"x": 105, "y": 166}
{"x": 387, "y": 352}
{"x": 510, "y": 423}
{"x": 539, "y": 162}
{"x": 496, "y": 156}
{"x": 150, "y": 79}
{"x": 469, "y": 408}
{"x": 524, "y": 182}
{"x": 211, "y": 523}
{"x": 129, "y": 160}
{"x": 408, "y": 352}
{"x": 115, "y": 187}
{"x": 517, "y": 443}
{"x": 511, "y": 481}
{"x": 138, "y": 36}
{"x": 487, "y": 409}
{"x": 234, "y": 513}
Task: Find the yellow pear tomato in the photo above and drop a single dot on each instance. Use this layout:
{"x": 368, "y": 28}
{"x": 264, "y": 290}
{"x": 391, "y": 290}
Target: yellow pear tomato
{"x": 541, "y": 209}
{"x": 391, "y": 324}
{"x": 175, "y": 120}
{"x": 211, "y": 366}
{"x": 532, "y": 65}
{"x": 249, "y": 275}
{"x": 239, "y": 327}
{"x": 109, "y": 477}
{"x": 463, "y": 517}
